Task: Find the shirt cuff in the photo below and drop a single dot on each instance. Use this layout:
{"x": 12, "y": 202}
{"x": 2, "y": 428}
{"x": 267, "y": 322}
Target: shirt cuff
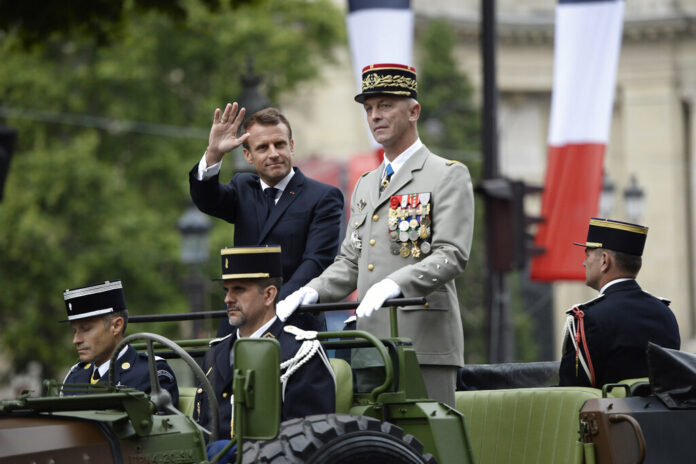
{"x": 205, "y": 172}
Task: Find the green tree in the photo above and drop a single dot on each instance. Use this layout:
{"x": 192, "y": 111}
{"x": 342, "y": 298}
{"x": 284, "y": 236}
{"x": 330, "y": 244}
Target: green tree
{"x": 89, "y": 199}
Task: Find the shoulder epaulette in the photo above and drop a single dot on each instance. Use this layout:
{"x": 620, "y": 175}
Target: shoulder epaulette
{"x": 587, "y": 304}
{"x": 215, "y": 341}
{"x": 664, "y": 300}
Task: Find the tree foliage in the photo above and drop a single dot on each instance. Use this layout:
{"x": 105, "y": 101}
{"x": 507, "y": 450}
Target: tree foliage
{"x": 86, "y": 201}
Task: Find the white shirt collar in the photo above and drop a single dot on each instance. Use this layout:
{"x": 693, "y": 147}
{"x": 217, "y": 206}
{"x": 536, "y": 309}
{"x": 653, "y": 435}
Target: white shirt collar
{"x": 403, "y": 157}
{"x": 261, "y": 329}
{"x": 280, "y": 185}
{"x": 609, "y": 284}
{"x": 104, "y": 368}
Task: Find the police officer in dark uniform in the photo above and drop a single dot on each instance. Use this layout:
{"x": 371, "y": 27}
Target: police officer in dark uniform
{"x": 98, "y": 317}
{"x": 605, "y": 339}
{"x": 252, "y": 277}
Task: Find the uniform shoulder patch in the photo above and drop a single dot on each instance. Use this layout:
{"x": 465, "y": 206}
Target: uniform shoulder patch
{"x": 587, "y": 304}
{"x": 215, "y": 341}
{"x": 666, "y": 301}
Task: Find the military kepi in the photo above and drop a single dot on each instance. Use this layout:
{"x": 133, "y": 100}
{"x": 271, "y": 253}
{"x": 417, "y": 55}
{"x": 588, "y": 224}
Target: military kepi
{"x": 388, "y": 79}
{"x": 616, "y": 235}
{"x": 94, "y": 300}
{"x": 257, "y": 262}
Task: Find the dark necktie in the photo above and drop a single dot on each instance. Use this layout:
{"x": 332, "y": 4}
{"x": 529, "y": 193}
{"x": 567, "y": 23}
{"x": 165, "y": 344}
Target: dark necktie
{"x": 385, "y": 182}
{"x": 270, "y": 193}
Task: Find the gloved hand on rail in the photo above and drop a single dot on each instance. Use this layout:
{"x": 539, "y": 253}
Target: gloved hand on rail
{"x": 301, "y": 296}
{"x": 376, "y": 296}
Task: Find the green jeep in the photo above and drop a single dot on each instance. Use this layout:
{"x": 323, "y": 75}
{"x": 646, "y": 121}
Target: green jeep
{"x": 393, "y": 422}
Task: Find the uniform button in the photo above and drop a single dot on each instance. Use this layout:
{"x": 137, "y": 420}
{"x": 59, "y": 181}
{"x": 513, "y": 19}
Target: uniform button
{"x": 224, "y": 394}
{"x": 375, "y": 217}
{"x": 370, "y": 267}
{"x": 356, "y": 223}
{"x": 373, "y": 241}
{"x": 199, "y": 391}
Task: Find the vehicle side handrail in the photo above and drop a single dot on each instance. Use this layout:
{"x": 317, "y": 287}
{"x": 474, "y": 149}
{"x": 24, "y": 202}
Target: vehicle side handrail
{"x": 311, "y": 308}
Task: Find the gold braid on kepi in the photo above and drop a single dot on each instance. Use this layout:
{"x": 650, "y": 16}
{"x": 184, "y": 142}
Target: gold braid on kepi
{"x": 616, "y": 235}
{"x": 255, "y": 262}
{"x": 388, "y": 79}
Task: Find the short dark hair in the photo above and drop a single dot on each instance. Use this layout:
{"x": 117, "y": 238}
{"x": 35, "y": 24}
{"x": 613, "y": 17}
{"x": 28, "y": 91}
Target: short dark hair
{"x": 266, "y": 117}
{"x": 277, "y": 282}
{"x": 108, "y": 319}
{"x": 630, "y": 264}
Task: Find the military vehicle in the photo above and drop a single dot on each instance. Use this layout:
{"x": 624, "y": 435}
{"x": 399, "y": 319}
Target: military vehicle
{"x": 392, "y": 422}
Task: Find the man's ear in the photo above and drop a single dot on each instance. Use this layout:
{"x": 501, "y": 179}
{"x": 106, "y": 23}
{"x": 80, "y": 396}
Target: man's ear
{"x": 269, "y": 295}
{"x": 606, "y": 261}
{"x": 247, "y": 156}
{"x": 414, "y": 112}
{"x": 117, "y": 326}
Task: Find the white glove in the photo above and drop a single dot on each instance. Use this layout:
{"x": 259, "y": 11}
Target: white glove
{"x": 376, "y": 296}
{"x": 301, "y": 296}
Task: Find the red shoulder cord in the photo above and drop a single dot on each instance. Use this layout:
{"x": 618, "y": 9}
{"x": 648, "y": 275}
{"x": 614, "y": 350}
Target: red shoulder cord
{"x": 580, "y": 335}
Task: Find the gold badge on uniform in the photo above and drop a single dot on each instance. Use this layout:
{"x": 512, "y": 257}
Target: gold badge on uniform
{"x": 125, "y": 365}
{"x": 409, "y": 224}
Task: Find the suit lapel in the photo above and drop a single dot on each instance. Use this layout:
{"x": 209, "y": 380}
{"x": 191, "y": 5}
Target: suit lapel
{"x": 291, "y": 192}
{"x": 401, "y": 178}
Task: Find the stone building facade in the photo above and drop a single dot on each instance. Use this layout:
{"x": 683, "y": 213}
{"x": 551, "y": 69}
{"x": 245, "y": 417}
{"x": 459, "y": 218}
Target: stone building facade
{"x": 653, "y": 133}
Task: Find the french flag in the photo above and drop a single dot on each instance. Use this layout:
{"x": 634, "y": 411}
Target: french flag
{"x": 586, "y": 56}
{"x": 379, "y": 31}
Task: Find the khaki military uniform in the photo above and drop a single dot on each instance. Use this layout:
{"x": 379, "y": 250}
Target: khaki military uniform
{"x": 369, "y": 254}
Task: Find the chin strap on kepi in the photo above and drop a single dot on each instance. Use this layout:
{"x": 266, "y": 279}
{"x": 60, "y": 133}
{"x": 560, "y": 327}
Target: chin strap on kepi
{"x": 576, "y": 333}
{"x": 309, "y": 347}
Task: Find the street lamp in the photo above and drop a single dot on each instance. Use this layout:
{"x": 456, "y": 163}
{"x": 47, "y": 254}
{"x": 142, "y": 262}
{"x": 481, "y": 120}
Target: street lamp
{"x": 634, "y": 200}
{"x": 194, "y": 227}
{"x": 607, "y": 198}
{"x": 253, "y": 100}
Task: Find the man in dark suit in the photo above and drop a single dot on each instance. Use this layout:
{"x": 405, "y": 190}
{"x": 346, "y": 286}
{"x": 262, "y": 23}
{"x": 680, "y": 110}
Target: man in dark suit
{"x": 98, "y": 317}
{"x": 605, "y": 339}
{"x": 250, "y": 305}
{"x": 278, "y": 206}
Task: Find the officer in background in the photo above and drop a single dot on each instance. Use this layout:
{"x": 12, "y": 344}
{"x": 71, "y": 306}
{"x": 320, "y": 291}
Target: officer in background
{"x": 252, "y": 277}
{"x": 98, "y": 317}
{"x": 605, "y": 339}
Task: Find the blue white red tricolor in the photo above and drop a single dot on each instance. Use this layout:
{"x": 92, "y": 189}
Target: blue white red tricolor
{"x": 586, "y": 56}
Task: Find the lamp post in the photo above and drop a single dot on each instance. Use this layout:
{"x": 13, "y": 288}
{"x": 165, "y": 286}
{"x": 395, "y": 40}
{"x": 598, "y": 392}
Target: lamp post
{"x": 194, "y": 227}
{"x": 253, "y": 100}
{"x": 607, "y": 198}
{"x": 634, "y": 200}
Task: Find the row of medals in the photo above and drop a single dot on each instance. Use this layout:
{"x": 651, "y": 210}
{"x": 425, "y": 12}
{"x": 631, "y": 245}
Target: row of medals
{"x": 409, "y": 225}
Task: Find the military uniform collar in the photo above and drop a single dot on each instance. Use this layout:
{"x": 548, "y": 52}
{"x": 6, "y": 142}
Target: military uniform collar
{"x": 401, "y": 159}
{"x": 615, "y": 281}
{"x": 104, "y": 368}
{"x": 261, "y": 331}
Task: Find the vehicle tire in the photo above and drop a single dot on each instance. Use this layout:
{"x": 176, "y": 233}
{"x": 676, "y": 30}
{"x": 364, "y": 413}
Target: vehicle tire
{"x": 338, "y": 439}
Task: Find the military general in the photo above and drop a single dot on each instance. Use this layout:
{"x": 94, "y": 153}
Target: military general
{"x": 409, "y": 234}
